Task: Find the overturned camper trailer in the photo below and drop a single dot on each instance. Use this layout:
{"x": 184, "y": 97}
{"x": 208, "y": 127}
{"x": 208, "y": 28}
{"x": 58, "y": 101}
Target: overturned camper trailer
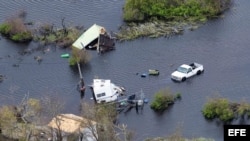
{"x": 96, "y": 37}
{"x": 104, "y": 91}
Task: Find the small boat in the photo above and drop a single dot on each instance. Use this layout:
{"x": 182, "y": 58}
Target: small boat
{"x": 65, "y": 55}
{"x": 153, "y": 72}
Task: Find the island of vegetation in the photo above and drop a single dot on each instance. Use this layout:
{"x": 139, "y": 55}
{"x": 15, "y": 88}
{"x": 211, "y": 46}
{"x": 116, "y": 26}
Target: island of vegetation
{"x": 167, "y": 17}
{"x": 163, "y": 99}
{"x": 225, "y": 110}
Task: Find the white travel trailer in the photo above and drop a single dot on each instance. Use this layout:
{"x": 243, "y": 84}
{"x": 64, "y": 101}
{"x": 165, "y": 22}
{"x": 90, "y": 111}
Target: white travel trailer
{"x": 105, "y": 91}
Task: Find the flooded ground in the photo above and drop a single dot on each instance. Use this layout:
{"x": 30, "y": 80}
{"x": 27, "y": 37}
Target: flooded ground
{"x": 221, "y": 45}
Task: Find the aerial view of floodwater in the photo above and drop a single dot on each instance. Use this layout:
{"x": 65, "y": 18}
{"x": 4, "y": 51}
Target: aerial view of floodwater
{"x": 222, "y": 45}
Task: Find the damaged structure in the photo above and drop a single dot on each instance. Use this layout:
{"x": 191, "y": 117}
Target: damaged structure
{"x": 68, "y": 124}
{"x": 95, "y": 37}
{"x": 105, "y": 91}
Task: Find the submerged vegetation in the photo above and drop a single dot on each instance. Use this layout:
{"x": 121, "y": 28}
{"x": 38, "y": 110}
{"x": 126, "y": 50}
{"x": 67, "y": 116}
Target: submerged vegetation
{"x": 78, "y": 56}
{"x": 177, "y": 10}
{"x": 175, "y": 14}
{"x": 15, "y": 29}
{"x": 225, "y": 110}
{"x": 162, "y": 100}
{"x": 63, "y": 37}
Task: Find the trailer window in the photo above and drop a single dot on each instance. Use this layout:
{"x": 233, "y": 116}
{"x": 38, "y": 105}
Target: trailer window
{"x": 101, "y": 94}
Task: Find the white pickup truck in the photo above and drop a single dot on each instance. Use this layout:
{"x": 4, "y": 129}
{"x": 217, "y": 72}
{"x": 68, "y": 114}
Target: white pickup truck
{"x": 186, "y": 71}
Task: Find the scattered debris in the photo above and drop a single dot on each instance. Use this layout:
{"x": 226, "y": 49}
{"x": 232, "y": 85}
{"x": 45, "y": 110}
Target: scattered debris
{"x": 15, "y": 65}
{"x": 66, "y": 55}
{"x": 143, "y": 75}
{"x": 153, "y": 72}
{"x": 38, "y": 59}
{"x": 136, "y": 100}
{"x": 1, "y": 77}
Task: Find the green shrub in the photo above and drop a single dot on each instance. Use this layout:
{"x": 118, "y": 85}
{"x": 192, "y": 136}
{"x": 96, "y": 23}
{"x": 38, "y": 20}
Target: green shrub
{"x": 80, "y": 56}
{"x": 135, "y": 10}
{"x": 21, "y": 37}
{"x": 178, "y": 96}
{"x": 73, "y": 61}
{"x": 243, "y": 109}
{"x": 209, "y": 109}
{"x": 218, "y": 108}
{"x": 5, "y": 29}
{"x": 162, "y": 100}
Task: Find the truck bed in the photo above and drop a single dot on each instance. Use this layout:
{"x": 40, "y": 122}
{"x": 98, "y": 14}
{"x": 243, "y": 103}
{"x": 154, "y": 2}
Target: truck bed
{"x": 195, "y": 65}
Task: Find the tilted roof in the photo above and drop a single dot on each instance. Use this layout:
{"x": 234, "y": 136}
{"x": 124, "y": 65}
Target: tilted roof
{"x": 69, "y": 123}
{"x": 88, "y": 36}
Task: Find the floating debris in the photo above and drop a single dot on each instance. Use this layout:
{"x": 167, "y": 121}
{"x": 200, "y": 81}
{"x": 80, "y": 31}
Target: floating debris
{"x": 38, "y": 59}
{"x": 153, "y": 72}
{"x": 143, "y": 75}
{"x": 136, "y": 100}
{"x": 15, "y": 65}
{"x": 1, "y": 77}
{"x": 66, "y": 55}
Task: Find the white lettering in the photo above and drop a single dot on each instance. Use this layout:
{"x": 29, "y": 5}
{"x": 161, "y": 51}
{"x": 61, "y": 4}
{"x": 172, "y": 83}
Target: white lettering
{"x": 235, "y": 132}
{"x": 230, "y": 132}
{"x": 243, "y": 132}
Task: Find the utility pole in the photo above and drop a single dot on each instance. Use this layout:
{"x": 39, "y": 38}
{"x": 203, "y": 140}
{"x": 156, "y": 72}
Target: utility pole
{"x": 81, "y": 83}
{"x": 98, "y": 45}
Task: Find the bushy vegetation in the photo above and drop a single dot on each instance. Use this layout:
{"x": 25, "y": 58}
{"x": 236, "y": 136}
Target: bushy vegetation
{"x": 157, "y": 18}
{"x": 15, "y": 28}
{"x": 162, "y": 99}
{"x": 140, "y": 11}
{"x": 78, "y": 56}
{"x": 225, "y": 110}
{"x": 22, "y": 37}
{"x": 5, "y": 28}
{"x": 48, "y": 34}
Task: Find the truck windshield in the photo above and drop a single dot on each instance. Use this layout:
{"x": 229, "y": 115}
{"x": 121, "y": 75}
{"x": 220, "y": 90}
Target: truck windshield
{"x": 182, "y": 70}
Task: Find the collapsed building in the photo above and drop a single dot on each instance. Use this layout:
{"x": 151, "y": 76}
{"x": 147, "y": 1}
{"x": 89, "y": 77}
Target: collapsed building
{"x": 96, "y": 38}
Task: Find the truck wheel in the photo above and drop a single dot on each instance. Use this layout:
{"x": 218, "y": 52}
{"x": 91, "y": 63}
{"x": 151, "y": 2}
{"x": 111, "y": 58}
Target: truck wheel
{"x": 198, "y": 72}
{"x": 183, "y": 79}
